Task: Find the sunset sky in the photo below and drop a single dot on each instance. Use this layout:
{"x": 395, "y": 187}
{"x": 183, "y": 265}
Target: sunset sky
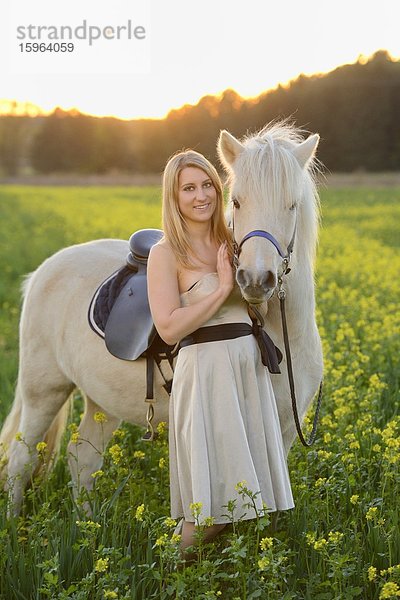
{"x": 206, "y": 47}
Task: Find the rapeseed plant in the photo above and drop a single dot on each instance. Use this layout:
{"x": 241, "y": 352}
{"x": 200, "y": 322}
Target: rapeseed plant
{"x": 342, "y": 538}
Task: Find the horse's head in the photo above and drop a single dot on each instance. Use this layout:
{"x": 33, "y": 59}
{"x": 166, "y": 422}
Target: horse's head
{"x": 270, "y": 188}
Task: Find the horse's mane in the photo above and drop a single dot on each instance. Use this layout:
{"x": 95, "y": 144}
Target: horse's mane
{"x": 269, "y": 171}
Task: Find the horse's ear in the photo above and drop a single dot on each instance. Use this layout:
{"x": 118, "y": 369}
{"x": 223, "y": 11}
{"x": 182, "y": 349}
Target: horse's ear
{"x": 229, "y": 148}
{"x": 305, "y": 151}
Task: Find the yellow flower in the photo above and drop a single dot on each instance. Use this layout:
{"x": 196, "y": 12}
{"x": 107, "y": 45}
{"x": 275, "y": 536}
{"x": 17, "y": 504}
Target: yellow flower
{"x": 100, "y": 417}
{"x": 101, "y": 565}
{"x": 41, "y": 446}
{"x": 90, "y": 526}
{"x": 320, "y": 482}
{"x": 139, "y": 454}
{"x": 324, "y": 454}
{"x": 310, "y": 538}
{"x": 241, "y": 485}
{"x": 74, "y": 437}
{"x": 371, "y": 573}
{"x": 97, "y": 474}
{"x": 266, "y": 543}
{"x": 161, "y": 427}
{"x": 18, "y": 436}
{"x": 176, "y": 538}
{"x": 320, "y": 544}
{"x": 371, "y": 513}
{"x": 162, "y": 540}
{"x": 139, "y": 512}
{"x": 195, "y": 508}
{"x": 170, "y": 522}
{"x": 263, "y": 563}
{"x": 119, "y": 433}
{"x": 116, "y": 453}
{"x": 208, "y": 521}
{"x": 376, "y": 448}
{"x": 389, "y": 590}
{"x": 327, "y": 421}
{"x": 390, "y": 570}
{"x": 110, "y": 594}
{"x": 334, "y": 537}
{"x": 162, "y": 463}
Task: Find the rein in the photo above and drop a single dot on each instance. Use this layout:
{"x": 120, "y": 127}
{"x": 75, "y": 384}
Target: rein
{"x": 282, "y": 297}
{"x": 311, "y": 439}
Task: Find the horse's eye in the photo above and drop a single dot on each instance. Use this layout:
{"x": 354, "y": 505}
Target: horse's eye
{"x": 235, "y": 202}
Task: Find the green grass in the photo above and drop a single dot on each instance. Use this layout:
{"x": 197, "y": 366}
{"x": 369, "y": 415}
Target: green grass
{"x": 342, "y": 539}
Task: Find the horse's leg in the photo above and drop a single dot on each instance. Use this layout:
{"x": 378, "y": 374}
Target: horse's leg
{"x": 40, "y": 415}
{"x": 85, "y": 453}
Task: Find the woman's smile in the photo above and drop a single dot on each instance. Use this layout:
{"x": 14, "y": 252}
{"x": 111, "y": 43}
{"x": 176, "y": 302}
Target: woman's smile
{"x": 196, "y": 194}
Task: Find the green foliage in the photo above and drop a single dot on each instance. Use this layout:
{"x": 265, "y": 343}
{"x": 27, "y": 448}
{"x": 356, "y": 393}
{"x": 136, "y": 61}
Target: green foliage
{"x": 340, "y": 542}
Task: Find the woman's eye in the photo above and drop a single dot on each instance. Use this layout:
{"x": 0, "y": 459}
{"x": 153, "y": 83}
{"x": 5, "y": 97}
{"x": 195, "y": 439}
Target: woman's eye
{"x": 189, "y": 188}
{"x": 208, "y": 184}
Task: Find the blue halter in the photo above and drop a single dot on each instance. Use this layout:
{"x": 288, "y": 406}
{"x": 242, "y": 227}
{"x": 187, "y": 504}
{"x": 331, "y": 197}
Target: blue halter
{"x": 267, "y": 236}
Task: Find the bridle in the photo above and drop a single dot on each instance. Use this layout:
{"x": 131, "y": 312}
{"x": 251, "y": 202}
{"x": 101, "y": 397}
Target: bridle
{"x": 281, "y": 293}
{"x": 237, "y": 248}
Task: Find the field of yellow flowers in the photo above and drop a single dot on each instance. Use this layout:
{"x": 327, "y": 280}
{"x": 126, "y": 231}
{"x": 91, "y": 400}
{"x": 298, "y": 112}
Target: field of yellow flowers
{"x": 341, "y": 541}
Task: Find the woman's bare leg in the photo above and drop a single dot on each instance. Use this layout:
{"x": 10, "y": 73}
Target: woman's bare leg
{"x": 189, "y": 537}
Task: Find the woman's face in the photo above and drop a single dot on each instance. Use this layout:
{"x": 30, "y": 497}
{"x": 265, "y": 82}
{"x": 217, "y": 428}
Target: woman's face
{"x": 197, "y": 196}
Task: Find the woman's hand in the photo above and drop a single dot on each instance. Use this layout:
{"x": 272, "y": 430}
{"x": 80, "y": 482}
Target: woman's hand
{"x": 224, "y": 270}
{"x": 172, "y": 320}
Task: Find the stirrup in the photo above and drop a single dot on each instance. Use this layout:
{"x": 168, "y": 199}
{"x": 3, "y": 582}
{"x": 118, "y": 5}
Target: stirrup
{"x": 150, "y": 434}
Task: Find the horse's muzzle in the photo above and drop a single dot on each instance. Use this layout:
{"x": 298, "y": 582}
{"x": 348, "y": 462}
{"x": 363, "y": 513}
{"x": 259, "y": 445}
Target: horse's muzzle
{"x": 256, "y": 287}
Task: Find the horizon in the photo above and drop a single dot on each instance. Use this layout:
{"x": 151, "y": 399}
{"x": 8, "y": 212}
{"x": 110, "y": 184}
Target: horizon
{"x": 185, "y": 55}
{"x": 27, "y": 108}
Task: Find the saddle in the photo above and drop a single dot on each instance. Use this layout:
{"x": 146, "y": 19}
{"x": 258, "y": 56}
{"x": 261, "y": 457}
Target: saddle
{"x": 119, "y": 311}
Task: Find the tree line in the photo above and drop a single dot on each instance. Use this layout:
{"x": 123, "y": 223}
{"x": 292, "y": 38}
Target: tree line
{"x": 355, "y": 108}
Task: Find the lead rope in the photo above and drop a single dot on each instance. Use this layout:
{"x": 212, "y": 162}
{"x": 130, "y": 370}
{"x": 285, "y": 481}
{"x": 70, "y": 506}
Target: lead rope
{"x": 311, "y": 439}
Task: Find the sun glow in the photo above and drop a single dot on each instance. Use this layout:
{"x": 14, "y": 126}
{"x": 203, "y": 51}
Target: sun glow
{"x": 223, "y": 46}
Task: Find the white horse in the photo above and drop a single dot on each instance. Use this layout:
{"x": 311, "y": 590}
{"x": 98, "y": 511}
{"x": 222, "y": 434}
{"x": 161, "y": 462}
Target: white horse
{"x": 271, "y": 180}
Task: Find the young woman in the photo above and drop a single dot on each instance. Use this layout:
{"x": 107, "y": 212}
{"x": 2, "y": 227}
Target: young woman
{"x": 224, "y": 426}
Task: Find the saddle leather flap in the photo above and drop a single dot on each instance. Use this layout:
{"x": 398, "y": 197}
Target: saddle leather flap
{"x": 130, "y": 330}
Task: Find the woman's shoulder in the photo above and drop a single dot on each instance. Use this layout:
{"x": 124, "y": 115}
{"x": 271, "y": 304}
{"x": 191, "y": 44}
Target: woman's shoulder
{"x": 162, "y": 247}
{"x": 163, "y": 254}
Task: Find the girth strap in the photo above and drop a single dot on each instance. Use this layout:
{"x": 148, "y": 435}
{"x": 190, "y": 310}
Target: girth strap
{"x": 270, "y": 354}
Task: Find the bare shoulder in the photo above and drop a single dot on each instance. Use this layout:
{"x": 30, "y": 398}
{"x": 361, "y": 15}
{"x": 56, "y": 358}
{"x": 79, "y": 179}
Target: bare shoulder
{"x": 161, "y": 257}
{"x": 162, "y": 281}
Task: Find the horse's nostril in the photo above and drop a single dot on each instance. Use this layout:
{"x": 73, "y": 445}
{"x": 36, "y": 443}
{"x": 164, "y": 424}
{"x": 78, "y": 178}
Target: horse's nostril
{"x": 269, "y": 280}
{"x": 241, "y": 277}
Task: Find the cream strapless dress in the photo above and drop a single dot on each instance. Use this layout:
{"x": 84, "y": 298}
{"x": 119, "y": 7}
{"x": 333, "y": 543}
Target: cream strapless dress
{"x": 224, "y": 425}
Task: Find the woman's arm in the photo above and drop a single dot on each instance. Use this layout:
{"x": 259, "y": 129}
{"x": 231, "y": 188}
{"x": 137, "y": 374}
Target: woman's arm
{"x": 172, "y": 321}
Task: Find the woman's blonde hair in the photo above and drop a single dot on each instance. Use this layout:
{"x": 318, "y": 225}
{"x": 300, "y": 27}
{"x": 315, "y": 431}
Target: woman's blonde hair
{"x": 173, "y": 223}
